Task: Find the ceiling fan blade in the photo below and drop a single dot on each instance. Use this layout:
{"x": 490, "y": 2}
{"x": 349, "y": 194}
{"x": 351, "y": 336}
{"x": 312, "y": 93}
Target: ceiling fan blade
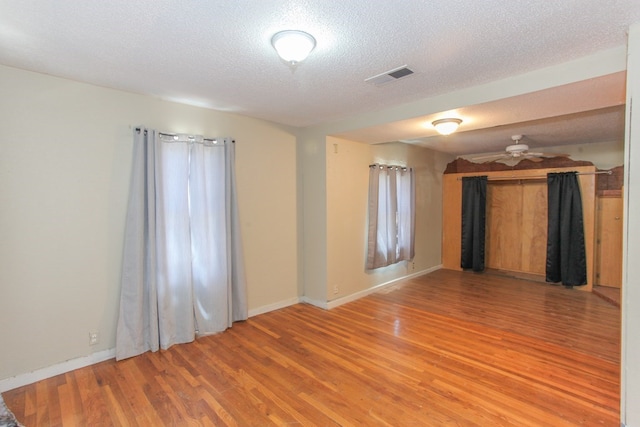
{"x": 510, "y": 161}
{"x": 490, "y": 157}
{"x": 549, "y": 154}
{"x": 534, "y": 158}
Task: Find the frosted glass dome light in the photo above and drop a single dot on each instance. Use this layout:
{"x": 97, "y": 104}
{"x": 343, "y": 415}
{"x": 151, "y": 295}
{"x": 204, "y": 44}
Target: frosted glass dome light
{"x": 293, "y": 46}
{"x": 446, "y": 126}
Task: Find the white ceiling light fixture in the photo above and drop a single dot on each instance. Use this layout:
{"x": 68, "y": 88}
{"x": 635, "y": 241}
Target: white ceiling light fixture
{"x": 446, "y": 126}
{"x": 293, "y": 46}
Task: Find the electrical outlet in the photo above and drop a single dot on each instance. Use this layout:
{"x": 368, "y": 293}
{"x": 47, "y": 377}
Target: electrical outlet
{"x": 335, "y": 289}
{"x": 93, "y": 338}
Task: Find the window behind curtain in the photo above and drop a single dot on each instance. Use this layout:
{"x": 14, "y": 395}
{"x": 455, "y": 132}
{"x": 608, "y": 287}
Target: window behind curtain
{"x": 391, "y": 231}
{"x": 182, "y": 273}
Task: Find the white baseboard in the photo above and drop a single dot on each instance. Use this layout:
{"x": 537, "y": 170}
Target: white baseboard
{"x": 328, "y": 305}
{"x": 100, "y": 356}
{"x": 52, "y": 371}
{"x": 274, "y": 306}
{"x": 81, "y": 362}
{"x": 339, "y": 301}
{"x": 322, "y": 304}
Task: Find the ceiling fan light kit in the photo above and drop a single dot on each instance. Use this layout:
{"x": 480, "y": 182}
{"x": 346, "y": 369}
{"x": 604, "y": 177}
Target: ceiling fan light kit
{"x": 446, "y": 126}
{"x": 517, "y": 149}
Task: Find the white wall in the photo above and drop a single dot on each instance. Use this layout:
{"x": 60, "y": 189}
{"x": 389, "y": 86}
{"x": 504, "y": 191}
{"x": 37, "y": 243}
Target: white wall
{"x": 65, "y": 158}
{"x": 604, "y": 155}
{"x": 630, "y": 370}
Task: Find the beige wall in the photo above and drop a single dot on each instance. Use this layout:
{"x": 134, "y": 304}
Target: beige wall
{"x": 313, "y": 211}
{"x": 318, "y": 236}
{"x": 429, "y": 167}
{"x": 65, "y": 158}
{"x": 347, "y": 181}
{"x": 347, "y": 198}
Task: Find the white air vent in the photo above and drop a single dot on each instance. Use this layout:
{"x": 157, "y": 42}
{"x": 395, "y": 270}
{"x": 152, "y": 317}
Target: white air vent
{"x": 390, "y": 76}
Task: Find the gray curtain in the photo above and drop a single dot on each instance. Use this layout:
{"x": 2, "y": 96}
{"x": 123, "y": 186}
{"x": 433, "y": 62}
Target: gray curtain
{"x": 391, "y": 230}
{"x": 183, "y": 273}
{"x": 474, "y": 201}
{"x": 566, "y": 254}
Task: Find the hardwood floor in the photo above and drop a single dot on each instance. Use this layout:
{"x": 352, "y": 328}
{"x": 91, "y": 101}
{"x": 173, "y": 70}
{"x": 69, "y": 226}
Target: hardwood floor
{"x": 445, "y": 349}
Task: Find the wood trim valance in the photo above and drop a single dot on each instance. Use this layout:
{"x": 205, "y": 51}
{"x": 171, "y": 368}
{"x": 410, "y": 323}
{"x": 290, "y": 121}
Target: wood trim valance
{"x": 603, "y": 182}
{"x": 461, "y": 165}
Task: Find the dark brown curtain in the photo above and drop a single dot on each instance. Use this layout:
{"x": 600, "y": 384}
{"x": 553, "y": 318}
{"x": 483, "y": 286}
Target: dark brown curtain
{"x": 474, "y": 201}
{"x": 566, "y": 254}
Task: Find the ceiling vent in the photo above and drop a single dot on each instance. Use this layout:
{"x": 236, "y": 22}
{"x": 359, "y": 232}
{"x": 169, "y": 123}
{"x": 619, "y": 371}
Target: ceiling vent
{"x": 390, "y": 76}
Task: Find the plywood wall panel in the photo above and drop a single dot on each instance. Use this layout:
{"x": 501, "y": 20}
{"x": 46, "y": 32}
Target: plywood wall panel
{"x": 451, "y": 222}
{"x": 534, "y": 227}
{"x": 504, "y": 218}
{"x": 517, "y": 226}
{"x": 609, "y": 242}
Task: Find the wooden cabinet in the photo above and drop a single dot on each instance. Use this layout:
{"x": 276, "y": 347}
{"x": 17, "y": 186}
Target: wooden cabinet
{"x": 609, "y": 239}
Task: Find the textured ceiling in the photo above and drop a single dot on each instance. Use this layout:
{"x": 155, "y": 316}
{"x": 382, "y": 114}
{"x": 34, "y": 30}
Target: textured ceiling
{"x": 584, "y": 112}
{"x": 217, "y": 53}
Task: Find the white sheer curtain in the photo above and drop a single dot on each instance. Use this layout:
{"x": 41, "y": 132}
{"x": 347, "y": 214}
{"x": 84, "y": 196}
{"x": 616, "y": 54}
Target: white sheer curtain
{"x": 391, "y": 236}
{"x": 183, "y": 272}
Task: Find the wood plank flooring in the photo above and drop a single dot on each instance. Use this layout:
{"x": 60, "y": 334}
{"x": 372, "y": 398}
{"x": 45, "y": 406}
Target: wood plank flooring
{"x": 445, "y": 349}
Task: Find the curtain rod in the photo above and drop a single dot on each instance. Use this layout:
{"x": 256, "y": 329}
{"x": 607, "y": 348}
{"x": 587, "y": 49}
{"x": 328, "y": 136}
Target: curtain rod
{"x": 388, "y": 166}
{"x": 173, "y": 135}
{"x": 509, "y": 178}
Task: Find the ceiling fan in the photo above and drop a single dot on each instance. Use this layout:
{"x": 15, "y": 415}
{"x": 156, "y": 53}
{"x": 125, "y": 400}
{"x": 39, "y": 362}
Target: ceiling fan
{"x": 516, "y": 152}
